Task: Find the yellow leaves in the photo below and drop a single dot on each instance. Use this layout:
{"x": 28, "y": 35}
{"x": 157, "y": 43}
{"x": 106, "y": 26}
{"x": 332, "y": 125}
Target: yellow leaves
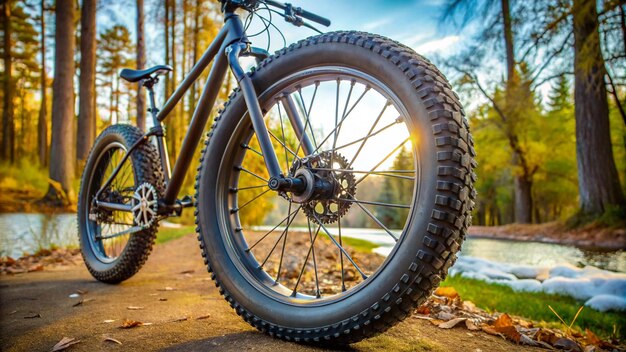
{"x": 448, "y": 292}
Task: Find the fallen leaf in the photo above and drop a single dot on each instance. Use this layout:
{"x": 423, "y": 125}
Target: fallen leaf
{"x": 38, "y": 267}
{"x": 567, "y": 344}
{"x": 134, "y": 308}
{"x": 83, "y": 301}
{"x": 525, "y": 340}
{"x": 128, "y": 324}
{"x": 547, "y": 336}
{"x": 448, "y": 291}
{"x": 471, "y": 325}
{"x": 422, "y": 317}
{"x": 510, "y": 332}
{"x": 490, "y": 330}
{"x": 423, "y": 310}
{"x": 451, "y": 323}
{"x": 592, "y": 338}
{"x": 64, "y": 343}
{"x": 33, "y": 316}
{"x": 113, "y": 340}
{"x": 504, "y": 320}
{"x": 445, "y": 316}
{"x": 108, "y": 321}
{"x": 203, "y": 317}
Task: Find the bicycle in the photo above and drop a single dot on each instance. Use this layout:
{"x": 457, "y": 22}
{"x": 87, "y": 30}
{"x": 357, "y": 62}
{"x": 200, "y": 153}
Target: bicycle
{"x": 270, "y": 230}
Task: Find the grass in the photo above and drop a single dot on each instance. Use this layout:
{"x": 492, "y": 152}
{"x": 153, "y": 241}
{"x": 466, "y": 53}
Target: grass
{"x": 167, "y": 234}
{"x": 358, "y": 245}
{"x": 534, "y": 306}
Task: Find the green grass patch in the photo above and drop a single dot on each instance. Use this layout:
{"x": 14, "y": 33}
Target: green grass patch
{"x": 534, "y": 306}
{"x": 358, "y": 245}
{"x": 171, "y": 233}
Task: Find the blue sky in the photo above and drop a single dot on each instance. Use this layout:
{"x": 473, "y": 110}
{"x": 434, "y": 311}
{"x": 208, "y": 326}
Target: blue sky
{"x": 414, "y": 23}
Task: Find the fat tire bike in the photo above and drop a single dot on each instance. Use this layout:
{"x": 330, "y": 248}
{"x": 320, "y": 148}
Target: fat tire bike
{"x": 335, "y": 138}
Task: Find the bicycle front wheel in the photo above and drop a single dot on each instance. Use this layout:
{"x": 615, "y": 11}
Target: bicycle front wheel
{"x": 384, "y": 140}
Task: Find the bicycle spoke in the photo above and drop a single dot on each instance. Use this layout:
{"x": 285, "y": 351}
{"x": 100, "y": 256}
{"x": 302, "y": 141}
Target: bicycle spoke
{"x": 374, "y": 203}
{"x": 382, "y": 161}
{"x": 283, "y": 144}
{"x": 317, "y": 282}
{"x": 247, "y": 146}
{"x": 339, "y": 246}
{"x": 308, "y": 112}
{"x": 286, "y": 230}
{"x": 241, "y": 168}
{"x": 249, "y": 187}
{"x": 367, "y": 88}
{"x": 377, "y": 221}
{"x": 282, "y": 129}
{"x": 282, "y": 253}
{"x": 369, "y": 134}
{"x": 364, "y": 138}
{"x": 306, "y": 260}
{"x": 251, "y": 200}
{"x": 343, "y": 283}
{"x": 272, "y": 230}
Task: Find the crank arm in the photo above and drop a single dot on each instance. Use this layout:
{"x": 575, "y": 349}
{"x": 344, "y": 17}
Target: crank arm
{"x": 133, "y": 229}
{"x": 114, "y": 206}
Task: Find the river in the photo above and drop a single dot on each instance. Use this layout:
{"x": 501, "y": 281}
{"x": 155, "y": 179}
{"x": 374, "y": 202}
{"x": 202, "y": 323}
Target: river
{"x": 26, "y": 233}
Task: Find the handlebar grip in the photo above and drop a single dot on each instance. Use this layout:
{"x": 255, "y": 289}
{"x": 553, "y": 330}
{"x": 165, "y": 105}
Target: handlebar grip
{"x": 313, "y": 17}
{"x": 300, "y": 12}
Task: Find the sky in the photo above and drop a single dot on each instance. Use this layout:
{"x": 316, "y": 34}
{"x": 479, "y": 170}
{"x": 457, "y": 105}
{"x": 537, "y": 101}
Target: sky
{"x": 413, "y": 23}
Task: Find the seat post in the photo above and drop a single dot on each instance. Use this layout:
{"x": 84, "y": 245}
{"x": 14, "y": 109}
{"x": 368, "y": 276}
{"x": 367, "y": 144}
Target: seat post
{"x": 157, "y": 128}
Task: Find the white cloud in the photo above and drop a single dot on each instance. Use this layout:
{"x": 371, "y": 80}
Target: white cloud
{"x": 438, "y": 45}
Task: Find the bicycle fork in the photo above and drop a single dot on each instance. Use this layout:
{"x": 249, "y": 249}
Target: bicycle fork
{"x": 277, "y": 181}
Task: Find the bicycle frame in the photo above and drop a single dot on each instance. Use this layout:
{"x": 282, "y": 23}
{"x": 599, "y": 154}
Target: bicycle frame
{"x": 230, "y": 43}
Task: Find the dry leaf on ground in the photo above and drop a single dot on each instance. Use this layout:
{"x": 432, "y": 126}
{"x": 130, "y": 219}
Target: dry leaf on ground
{"x": 451, "y": 323}
{"x": 32, "y": 316}
{"x": 128, "y": 324}
{"x": 64, "y": 343}
{"x": 503, "y": 320}
{"x": 112, "y": 340}
{"x": 448, "y": 291}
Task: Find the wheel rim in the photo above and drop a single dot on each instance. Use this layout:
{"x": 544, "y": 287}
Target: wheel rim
{"x": 319, "y": 277}
{"x": 121, "y": 189}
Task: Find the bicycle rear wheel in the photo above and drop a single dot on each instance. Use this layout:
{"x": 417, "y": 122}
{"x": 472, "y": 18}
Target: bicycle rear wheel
{"x": 387, "y": 142}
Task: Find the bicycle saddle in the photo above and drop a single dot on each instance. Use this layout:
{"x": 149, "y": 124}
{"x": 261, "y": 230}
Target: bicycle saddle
{"x": 137, "y": 75}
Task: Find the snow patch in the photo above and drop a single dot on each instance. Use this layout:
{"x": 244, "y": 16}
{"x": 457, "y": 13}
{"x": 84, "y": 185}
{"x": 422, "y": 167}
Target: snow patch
{"x": 600, "y": 289}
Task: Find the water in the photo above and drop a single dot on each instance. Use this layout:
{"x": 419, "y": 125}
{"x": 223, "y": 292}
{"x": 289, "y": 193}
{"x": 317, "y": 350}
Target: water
{"x": 27, "y": 233}
{"x": 506, "y": 251}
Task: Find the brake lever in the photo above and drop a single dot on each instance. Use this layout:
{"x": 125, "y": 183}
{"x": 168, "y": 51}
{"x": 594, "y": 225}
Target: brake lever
{"x": 292, "y": 17}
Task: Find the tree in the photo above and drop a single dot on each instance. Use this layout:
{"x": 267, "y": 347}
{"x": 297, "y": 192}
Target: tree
{"x": 115, "y": 44}
{"x": 599, "y": 185}
{"x": 42, "y": 123}
{"x": 61, "y": 152}
{"x": 141, "y": 62}
{"x": 510, "y": 112}
{"x": 87, "y": 95}
{"x": 8, "y": 125}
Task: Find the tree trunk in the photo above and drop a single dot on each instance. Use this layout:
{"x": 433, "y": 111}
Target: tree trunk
{"x": 87, "y": 104}
{"x": 508, "y": 40}
{"x": 141, "y": 63}
{"x": 598, "y": 182}
{"x": 42, "y": 123}
{"x": 8, "y": 123}
{"x": 62, "y": 145}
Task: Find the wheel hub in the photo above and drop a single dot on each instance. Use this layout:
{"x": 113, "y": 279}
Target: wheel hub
{"x": 328, "y": 186}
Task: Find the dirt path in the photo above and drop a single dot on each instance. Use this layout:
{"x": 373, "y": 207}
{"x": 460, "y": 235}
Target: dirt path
{"x": 47, "y": 293}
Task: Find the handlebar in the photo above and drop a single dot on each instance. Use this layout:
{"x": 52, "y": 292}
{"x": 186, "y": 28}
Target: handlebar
{"x": 298, "y": 11}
